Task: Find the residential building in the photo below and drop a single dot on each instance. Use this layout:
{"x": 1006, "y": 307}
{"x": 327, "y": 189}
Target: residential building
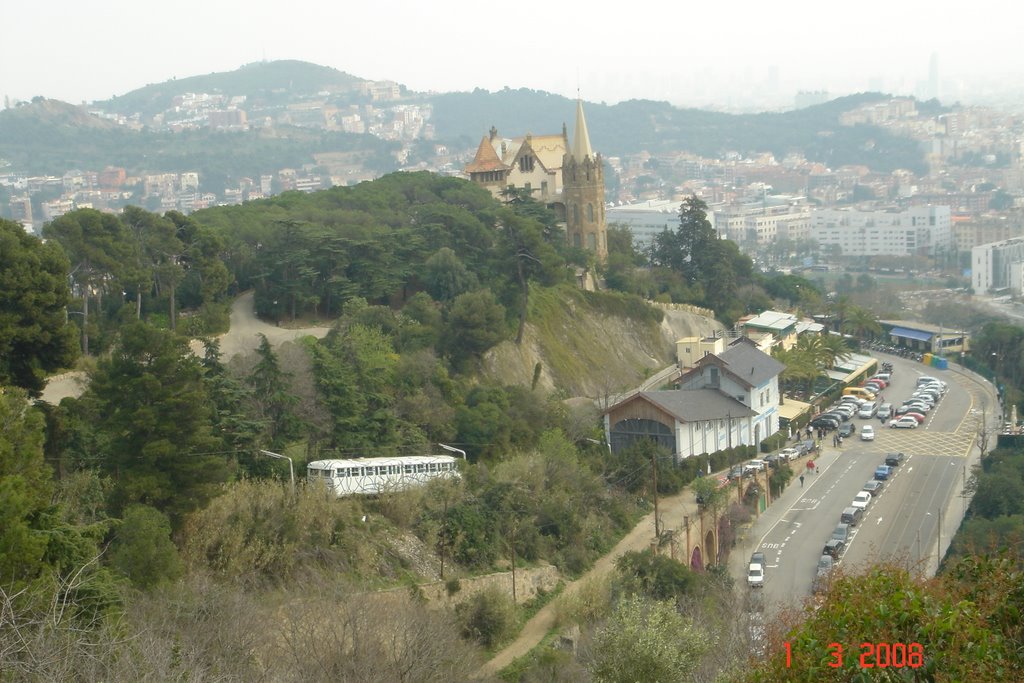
{"x": 915, "y": 231}
{"x": 726, "y": 399}
{"x": 645, "y": 220}
{"x": 998, "y": 267}
{"x": 763, "y": 220}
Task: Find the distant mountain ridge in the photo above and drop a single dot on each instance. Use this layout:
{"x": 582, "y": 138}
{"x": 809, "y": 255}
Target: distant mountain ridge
{"x": 260, "y": 81}
{"x": 49, "y": 137}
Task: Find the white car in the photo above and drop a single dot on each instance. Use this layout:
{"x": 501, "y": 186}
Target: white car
{"x": 867, "y": 433}
{"x": 755, "y": 576}
{"x": 789, "y": 454}
{"x": 905, "y": 422}
{"x": 861, "y": 500}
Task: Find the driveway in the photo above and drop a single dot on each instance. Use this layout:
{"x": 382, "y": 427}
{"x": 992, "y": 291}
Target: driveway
{"x": 241, "y": 337}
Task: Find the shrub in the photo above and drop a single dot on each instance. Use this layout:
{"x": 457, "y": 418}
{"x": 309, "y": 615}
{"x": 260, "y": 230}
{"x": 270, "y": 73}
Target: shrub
{"x": 489, "y": 617}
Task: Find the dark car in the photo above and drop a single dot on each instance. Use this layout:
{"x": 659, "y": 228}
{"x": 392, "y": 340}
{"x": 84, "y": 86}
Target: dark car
{"x": 894, "y": 459}
{"x": 834, "y": 548}
{"x": 757, "y": 558}
{"x": 874, "y": 487}
{"x": 825, "y": 422}
{"x": 882, "y": 472}
{"x": 841, "y": 532}
{"x": 847, "y": 429}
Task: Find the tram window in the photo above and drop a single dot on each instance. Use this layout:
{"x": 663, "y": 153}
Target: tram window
{"x": 408, "y": 469}
{"x": 433, "y": 467}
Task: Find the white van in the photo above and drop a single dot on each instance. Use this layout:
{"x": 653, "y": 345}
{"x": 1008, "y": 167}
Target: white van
{"x": 868, "y": 410}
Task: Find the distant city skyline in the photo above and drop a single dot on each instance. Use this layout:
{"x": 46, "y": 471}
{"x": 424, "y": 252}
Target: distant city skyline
{"x": 739, "y": 55}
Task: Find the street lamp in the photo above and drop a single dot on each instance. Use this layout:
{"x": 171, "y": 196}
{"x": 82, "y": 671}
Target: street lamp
{"x": 452, "y": 449}
{"x": 291, "y": 467}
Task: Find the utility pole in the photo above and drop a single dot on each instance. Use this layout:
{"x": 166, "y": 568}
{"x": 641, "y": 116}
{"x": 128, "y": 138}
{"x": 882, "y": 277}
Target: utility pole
{"x": 654, "y": 475}
{"x": 938, "y": 545}
{"x": 515, "y": 526}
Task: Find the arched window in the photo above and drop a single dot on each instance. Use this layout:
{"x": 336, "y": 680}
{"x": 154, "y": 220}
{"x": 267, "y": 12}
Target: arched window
{"x": 591, "y": 241}
{"x": 575, "y": 214}
{"x": 590, "y": 212}
{"x": 577, "y": 241}
{"x": 627, "y": 432}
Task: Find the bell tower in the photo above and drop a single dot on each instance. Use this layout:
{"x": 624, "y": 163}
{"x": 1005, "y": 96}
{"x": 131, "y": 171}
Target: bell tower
{"x": 583, "y": 192}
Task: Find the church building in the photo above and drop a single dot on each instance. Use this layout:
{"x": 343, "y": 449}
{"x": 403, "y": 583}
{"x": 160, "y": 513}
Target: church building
{"x": 569, "y": 179}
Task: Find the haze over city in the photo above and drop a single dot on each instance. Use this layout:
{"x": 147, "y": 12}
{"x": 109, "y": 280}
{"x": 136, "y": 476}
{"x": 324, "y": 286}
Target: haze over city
{"x": 732, "y": 56}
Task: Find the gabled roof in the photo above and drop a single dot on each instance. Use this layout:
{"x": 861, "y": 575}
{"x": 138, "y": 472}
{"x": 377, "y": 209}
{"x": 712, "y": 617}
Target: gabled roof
{"x": 698, "y": 405}
{"x": 750, "y": 364}
{"x": 743, "y": 361}
{"x": 486, "y": 159}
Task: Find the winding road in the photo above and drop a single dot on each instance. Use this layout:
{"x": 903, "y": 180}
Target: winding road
{"x": 242, "y": 336}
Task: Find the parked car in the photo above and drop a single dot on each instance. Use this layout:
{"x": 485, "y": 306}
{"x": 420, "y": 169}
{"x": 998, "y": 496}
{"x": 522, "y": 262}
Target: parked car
{"x": 905, "y": 422}
{"x": 885, "y": 411}
{"x": 841, "y": 532}
{"x": 882, "y": 472}
{"x": 823, "y": 574}
{"x": 867, "y": 433}
{"x": 807, "y": 447}
{"x": 874, "y": 487}
{"x": 834, "y": 548}
{"x": 826, "y": 422}
{"x": 861, "y": 500}
{"x": 847, "y": 430}
{"x": 755, "y": 576}
{"x": 755, "y": 466}
{"x": 894, "y": 459}
{"x": 758, "y": 558}
{"x": 789, "y": 453}
{"x": 916, "y": 414}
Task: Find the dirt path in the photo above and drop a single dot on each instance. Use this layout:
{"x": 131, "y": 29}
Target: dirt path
{"x": 671, "y": 511}
{"x": 242, "y": 336}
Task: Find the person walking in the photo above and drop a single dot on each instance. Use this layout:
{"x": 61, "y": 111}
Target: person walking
{"x": 801, "y": 481}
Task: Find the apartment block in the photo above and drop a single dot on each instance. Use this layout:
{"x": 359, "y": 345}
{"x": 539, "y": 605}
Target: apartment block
{"x": 916, "y": 231}
{"x": 998, "y": 268}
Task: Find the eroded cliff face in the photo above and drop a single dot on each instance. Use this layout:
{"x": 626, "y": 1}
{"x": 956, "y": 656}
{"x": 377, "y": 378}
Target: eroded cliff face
{"x": 587, "y": 353}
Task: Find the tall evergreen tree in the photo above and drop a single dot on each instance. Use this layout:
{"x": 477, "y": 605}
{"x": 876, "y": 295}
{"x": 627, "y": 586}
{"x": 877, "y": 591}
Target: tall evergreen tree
{"x": 35, "y": 337}
{"x": 157, "y": 413}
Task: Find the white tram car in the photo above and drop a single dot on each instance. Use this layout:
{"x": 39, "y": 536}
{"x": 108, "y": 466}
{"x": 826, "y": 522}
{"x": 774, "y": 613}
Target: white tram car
{"x": 379, "y": 475}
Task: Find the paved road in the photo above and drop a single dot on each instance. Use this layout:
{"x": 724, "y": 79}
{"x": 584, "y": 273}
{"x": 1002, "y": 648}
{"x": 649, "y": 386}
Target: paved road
{"x": 242, "y": 336}
{"x": 903, "y": 523}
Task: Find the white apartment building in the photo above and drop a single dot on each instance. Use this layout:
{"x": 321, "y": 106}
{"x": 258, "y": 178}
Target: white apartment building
{"x": 915, "y": 231}
{"x": 645, "y": 220}
{"x": 998, "y": 267}
{"x": 764, "y": 220}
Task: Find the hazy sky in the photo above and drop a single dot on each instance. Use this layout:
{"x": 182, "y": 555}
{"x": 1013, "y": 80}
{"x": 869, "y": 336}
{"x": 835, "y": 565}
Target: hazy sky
{"x": 686, "y": 53}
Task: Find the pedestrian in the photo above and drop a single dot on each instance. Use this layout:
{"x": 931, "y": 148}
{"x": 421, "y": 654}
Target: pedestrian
{"x": 840, "y": 441}
{"x": 801, "y": 481}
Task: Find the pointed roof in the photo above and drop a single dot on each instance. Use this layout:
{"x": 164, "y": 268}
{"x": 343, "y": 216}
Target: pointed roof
{"x": 581, "y": 139}
{"x": 486, "y": 159}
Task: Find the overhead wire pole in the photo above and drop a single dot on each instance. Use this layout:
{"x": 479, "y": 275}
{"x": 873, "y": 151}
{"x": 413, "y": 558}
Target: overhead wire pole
{"x": 453, "y": 449}
{"x": 291, "y": 466}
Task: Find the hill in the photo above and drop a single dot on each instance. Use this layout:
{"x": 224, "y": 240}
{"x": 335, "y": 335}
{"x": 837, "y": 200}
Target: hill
{"x": 658, "y": 127}
{"x": 48, "y": 137}
{"x": 259, "y": 82}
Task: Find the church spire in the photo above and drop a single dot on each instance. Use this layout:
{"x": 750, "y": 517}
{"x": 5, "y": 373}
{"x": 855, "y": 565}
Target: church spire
{"x": 581, "y": 139}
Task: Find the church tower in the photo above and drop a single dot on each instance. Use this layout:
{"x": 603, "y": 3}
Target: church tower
{"x": 583, "y": 192}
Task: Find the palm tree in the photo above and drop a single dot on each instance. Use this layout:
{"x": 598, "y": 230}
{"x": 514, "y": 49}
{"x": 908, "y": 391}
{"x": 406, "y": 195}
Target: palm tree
{"x": 860, "y": 322}
{"x": 833, "y": 348}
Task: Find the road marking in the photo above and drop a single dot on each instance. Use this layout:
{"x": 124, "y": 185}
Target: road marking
{"x": 879, "y": 521}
